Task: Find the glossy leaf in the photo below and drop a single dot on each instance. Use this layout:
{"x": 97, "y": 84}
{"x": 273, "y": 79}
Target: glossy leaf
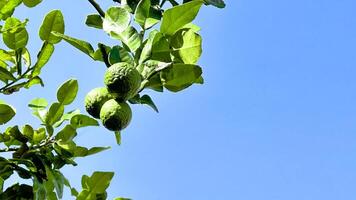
{"x": 95, "y": 185}
{"x": 31, "y": 3}
{"x": 95, "y": 21}
{"x": 161, "y": 49}
{"x": 81, "y": 45}
{"x": 43, "y": 57}
{"x": 67, "y": 92}
{"x": 66, "y": 134}
{"x": 116, "y": 20}
{"x": 180, "y": 76}
{"x": 178, "y": 16}
{"x": 54, "y": 114}
{"x": 5, "y": 75}
{"x": 187, "y": 46}
{"x": 216, "y": 3}
{"x": 8, "y": 8}
{"x": 80, "y": 120}
{"x": 15, "y": 37}
{"x": 146, "y": 100}
{"x": 130, "y": 38}
{"x": 53, "y": 22}
{"x": 6, "y": 113}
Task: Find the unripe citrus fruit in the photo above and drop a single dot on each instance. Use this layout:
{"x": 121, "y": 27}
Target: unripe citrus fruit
{"x": 115, "y": 116}
{"x": 95, "y": 99}
{"x": 123, "y": 80}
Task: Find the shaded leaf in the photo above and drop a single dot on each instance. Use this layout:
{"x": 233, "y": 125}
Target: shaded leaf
{"x": 95, "y": 21}
{"x": 6, "y": 113}
{"x": 180, "y": 76}
{"x": 80, "y": 120}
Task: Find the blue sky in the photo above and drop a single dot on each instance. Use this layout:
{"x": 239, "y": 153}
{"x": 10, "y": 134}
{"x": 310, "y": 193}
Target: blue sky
{"x": 275, "y": 119}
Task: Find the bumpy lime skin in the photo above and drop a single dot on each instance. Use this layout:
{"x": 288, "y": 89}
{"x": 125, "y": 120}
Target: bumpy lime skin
{"x": 95, "y": 99}
{"x": 122, "y": 80}
{"x": 115, "y": 115}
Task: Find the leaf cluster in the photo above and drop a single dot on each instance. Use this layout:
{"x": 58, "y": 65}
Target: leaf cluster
{"x": 39, "y": 153}
{"x": 16, "y": 67}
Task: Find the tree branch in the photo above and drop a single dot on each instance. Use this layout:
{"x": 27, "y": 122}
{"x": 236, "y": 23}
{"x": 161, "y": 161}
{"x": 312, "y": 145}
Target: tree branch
{"x": 97, "y": 8}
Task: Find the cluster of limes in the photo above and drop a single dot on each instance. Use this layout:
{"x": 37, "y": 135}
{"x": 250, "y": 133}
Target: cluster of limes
{"x": 122, "y": 82}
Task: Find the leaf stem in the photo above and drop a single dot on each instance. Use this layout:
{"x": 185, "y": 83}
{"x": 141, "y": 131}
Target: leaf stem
{"x": 162, "y": 3}
{"x": 97, "y": 7}
{"x": 17, "y": 79}
{"x": 8, "y": 150}
{"x": 173, "y": 2}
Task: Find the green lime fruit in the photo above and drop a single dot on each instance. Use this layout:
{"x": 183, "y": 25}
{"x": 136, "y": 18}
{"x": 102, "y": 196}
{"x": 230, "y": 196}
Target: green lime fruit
{"x": 95, "y": 99}
{"x": 115, "y": 115}
{"x": 122, "y": 80}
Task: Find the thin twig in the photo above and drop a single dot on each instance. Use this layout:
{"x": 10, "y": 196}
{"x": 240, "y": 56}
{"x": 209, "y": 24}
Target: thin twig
{"x": 16, "y": 80}
{"x": 8, "y": 150}
{"x": 97, "y": 7}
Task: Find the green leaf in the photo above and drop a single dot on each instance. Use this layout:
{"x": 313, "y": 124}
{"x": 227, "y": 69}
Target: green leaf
{"x": 95, "y": 21}
{"x": 67, "y": 92}
{"x": 216, "y": 3}
{"x": 178, "y": 16}
{"x": 17, "y": 191}
{"x": 28, "y": 131}
{"x": 95, "y": 185}
{"x": 8, "y": 8}
{"x": 15, "y": 36}
{"x": 38, "y": 106}
{"x": 161, "y": 49}
{"x": 1, "y": 184}
{"x": 130, "y": 38}
{"x": 54, "y": 113}
{"x": 80, "y": 120}
{"x": 6, "y": 113}
{"x": 155, "y": 83}
{"x": 81, "y": 45}
{"x": 5, "y": 75}
{"x": 142, "y": 12}
{"x": 147, "y": 49}
{"x": 83, "y": 152}
{"x": 55, "y": 180}
{"x": 150, "y": 67}
{"x": 66, "y": 134}
{"x": 33, "y": 81}
{"x": 95, "y": 150}
{"x": 53, "y": 22}
{"x": 180, "y": 76}
{"x": 39, "y": 135}
{"x": 31, "y": 3}
{"x": 146, "y": 100}
{"x": 26, "y": 57}
{"x": 119, "y": 54}
{"x": 67, "y": 116}
{"x": 187, "y": 46}
{"x": 38, "y": 103}
{"x": 146, "y": 15}
{"x": 116, "y": 20}
{"x": 101, "y": 53}
{"x": 38, "y": 190}
{"x": 43, "y": 57}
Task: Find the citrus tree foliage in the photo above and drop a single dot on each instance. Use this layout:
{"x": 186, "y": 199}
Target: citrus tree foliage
{"x": 158, "y": 48}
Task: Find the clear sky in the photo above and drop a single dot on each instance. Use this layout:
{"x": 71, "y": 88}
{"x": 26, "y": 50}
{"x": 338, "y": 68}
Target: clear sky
{"x": 275, "y": 120}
